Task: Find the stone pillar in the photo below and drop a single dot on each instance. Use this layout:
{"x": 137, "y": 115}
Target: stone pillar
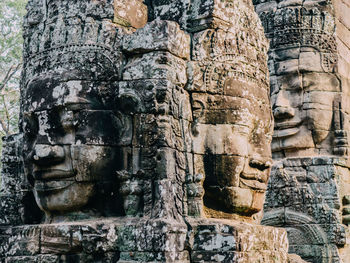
{"x": 14, "y": 187}
{"x": 309, "y": 188}
{"x": 342, "y": 23}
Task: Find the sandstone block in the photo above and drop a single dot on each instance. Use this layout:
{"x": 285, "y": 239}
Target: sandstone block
{"x": 130, "y": 13}
{"x": 159, "y": 35}
{"x": 156, "y": 65}
{"x": 155, "y": 96}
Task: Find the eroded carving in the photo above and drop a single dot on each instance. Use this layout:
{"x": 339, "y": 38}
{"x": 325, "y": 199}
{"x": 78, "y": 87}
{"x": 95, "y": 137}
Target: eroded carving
{"x": 309, "y": 101}
{"x": 304, "y": 83}
{"x": 232, "y": 120}
{"x": 68, "y": 152}
{"x": 137, "y": 147}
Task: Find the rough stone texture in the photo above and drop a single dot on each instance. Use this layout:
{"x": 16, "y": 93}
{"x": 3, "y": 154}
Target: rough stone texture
{"x": 142, "y": 142}
{"x": 304, "y": 196}
{"x": 308, "y": 95}
{"x": 309, "y": 76}
{"x": 130, "y": 13}
{"x": 230, "y": 241}
{"x": 16, "y": 197}
{"x": 139, "y": 240}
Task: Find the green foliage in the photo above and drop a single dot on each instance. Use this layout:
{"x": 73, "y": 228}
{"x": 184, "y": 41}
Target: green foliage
{"x": 11, "y": 19}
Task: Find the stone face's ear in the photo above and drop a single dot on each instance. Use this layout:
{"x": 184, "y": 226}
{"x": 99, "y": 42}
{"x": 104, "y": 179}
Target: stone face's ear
{"x": 198, "y": 108}
{"x": 125, "y": 128}
{"x": 340, "y": 146}
{"x": 131, "y": 191}
{"x": 338, "y": 117}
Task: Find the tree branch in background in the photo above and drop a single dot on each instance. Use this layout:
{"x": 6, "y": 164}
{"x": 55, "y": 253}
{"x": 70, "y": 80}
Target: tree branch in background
{"x": 4, "y": 127}
{"x": 7, "y": 115}
{"x": 9, "y": 74}
{"x": 5, "y": 118}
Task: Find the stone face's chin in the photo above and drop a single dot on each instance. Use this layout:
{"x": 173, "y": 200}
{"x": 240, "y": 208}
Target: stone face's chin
{"x": 289, "y": 140}
{"x": 62, "y": 196}
{"x": 237, "y": 200}
{"x": 245, "y": 201}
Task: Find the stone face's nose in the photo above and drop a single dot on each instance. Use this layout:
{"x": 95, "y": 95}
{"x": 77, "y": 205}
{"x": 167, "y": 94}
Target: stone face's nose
{"x": 282, "y": 108}
{"x": 47, "y": 154}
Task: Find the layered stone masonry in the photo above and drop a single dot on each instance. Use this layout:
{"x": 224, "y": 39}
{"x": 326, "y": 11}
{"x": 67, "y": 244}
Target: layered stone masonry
{"x": 146, "y": 135}
{"x": 309, "y": 188}
{"x": 304, "y": 196}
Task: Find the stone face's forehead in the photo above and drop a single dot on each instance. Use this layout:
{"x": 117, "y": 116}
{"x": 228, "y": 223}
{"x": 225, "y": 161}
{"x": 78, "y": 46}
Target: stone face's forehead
{"x": 46, "y": 92}
{"x": 241, "y": 115}
{"x": 248, "y": 90}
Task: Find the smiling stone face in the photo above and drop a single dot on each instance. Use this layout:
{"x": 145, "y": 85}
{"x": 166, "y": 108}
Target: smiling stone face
{"x": 233, "y": 123}
{"x": 232, "y": 147}
{"x": 70, "y": 151}
{"x": 303, "y": 110}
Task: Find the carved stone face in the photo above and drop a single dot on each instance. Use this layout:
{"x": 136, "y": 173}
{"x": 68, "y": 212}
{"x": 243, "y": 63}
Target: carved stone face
{"x": 71, "y": 137}
{"x": 232, "y": 142}
{"x": 303, "y": 110}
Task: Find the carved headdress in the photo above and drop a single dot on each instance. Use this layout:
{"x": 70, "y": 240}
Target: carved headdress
{"x": 92, "y": 48}
{"x": 297, "y": 26}
{"x": 235, "y": 49}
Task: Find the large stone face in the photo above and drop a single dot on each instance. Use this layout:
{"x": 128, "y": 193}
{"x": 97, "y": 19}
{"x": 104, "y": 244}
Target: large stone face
{"x": 306, "y": 89}
{"x": 146, "y": 135}
{"x": 309, "y": 186}
{"x": 229, "y": 82}
{"x": 67, "y": 96}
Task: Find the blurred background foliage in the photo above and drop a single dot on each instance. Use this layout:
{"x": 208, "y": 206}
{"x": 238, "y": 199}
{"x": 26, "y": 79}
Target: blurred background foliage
{"x": 11, "y": 19}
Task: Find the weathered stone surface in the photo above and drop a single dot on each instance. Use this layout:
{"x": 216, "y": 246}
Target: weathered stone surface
{"x": 304, "y": 197}
{"x": 130, "y": 13}
{"x": 159, "y": 35}
{"x": 303, "y": 57}
{"x": 309, "y": 96}
{"x": 16, "y": 197}
{"x": 148, "y": 139}
{"x": 157, "y": 65}
{"x": 229, "y": 241}
{"x": 137, "y": 240}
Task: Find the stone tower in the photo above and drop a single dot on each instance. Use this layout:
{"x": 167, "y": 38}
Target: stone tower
{"x": 309, "y": 188}
{"x": 145, "y": 135}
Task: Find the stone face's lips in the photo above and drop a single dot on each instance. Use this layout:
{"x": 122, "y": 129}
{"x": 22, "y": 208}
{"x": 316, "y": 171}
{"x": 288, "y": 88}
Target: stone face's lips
{"x": 52, "y": 174}
{"x": 44, "y": 186}
{"x": 286, "y": 128}
{"x": 253, "y": 184}
{"x": 287, "y": 124}
{"x": 285, "y": 132}
{"x": 257, "y": 176}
